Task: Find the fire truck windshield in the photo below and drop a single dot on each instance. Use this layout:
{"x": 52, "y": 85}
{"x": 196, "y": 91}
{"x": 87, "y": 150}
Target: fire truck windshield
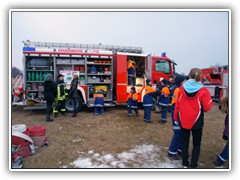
{"x": 162, "y": 66}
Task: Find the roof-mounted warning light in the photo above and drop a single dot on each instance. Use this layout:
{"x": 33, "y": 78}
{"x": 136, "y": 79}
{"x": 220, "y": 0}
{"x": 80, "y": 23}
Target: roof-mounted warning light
{"x": 164, "y": 54}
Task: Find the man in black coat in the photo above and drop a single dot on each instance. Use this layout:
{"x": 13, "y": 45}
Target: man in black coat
{"x": 49, "y": 95}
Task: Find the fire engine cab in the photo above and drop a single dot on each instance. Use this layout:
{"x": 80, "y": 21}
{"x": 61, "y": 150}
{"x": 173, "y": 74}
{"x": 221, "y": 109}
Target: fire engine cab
{"x": 99, "y": 67}
{"x": 215, "y": 79}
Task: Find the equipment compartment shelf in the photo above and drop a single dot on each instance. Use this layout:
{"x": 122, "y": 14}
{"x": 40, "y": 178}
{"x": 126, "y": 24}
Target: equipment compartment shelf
{"x": 38, "y": 70}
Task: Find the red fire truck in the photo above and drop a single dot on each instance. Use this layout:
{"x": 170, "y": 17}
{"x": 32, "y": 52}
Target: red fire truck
{"x": 41, "y": 58}
{"x": 216, "y": 80}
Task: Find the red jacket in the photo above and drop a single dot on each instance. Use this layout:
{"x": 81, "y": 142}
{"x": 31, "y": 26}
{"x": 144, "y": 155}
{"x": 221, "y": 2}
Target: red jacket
{"x": 190, "y": 108}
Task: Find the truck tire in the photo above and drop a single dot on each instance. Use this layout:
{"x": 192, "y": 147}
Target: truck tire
{"x": 69, "y": 105}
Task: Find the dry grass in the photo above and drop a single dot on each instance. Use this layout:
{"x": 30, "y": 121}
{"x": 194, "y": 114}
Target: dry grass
{"x": 113, "y": 132}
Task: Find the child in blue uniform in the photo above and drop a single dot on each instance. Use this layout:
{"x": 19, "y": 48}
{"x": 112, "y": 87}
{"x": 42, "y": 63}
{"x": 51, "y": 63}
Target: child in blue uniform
{"x": 164, "y": 100}
{"x": 176, "y": 145}
{"x": 148, "y": 101}
{"x": 99, "y": 103}
{"x": 132, "y": 102}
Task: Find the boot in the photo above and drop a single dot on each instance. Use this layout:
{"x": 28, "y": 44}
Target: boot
{"x": 74, "y": 115}
{"x": 48, "y": 119}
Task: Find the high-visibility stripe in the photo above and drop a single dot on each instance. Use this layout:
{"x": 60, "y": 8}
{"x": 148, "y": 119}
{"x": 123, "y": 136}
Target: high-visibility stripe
{"x": 162, "y": 104}
{"x": 98, "y": 105}
{"x": 163, "y": 119}
{"x": 147, "y": 104}
{"x": 176, "y": 127}
{"x": 134, "y": 107}
{"x": 170, "y": 152}
{"x": 221, "y": 158}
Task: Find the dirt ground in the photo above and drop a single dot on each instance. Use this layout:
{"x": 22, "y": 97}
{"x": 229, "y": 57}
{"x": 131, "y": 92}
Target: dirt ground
{"x": 113, "y": 132}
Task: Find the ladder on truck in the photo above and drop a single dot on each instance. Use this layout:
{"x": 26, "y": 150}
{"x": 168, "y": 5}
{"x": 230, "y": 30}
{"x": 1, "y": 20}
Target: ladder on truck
{"x": 113, "y": 48}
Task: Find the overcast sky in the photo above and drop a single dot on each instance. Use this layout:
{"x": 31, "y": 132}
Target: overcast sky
{"x": 192, "y": 39}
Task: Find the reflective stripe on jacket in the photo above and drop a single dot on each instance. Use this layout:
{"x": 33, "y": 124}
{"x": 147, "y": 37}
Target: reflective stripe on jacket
{"x": 132, "y": 100}
{"x": 61, "y": 91}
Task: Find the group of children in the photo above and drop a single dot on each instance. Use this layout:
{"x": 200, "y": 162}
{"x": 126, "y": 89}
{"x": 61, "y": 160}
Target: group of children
{"x": 188, "y": 100}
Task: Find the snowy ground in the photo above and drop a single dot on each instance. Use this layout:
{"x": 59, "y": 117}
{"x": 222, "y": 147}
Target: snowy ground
{"x": 144, "y": 156}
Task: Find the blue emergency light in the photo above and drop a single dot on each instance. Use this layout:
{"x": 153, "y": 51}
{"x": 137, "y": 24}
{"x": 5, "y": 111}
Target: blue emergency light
{"x": 164, "y": 54}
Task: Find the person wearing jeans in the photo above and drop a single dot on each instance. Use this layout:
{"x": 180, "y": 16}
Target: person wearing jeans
{"x": 73, "y": 94}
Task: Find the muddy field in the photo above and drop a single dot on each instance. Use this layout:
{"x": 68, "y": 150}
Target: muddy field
{"x": 114, "y": 140}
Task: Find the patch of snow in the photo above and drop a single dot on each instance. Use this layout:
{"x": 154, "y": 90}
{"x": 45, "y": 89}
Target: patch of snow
{"x": 91, "y": 152}
{"x": 77, "y": 140}
{"x": 144, "y": 156}
{"x": 83, "y": 163}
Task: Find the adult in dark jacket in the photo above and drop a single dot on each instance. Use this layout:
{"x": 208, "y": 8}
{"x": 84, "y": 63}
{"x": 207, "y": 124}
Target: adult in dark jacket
{"x": 49, "y": 95}
{"x": 193, "y": 101}
{"x": 223, "y": 157}
{"x": 73, "y": 94}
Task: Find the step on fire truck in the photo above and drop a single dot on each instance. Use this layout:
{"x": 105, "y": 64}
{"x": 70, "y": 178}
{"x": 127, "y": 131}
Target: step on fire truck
{"x": 215, "y": 79}
{"x": 41, "y": 58}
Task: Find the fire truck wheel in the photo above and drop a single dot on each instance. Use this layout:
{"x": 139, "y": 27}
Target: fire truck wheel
{"x": 69, "y": 105}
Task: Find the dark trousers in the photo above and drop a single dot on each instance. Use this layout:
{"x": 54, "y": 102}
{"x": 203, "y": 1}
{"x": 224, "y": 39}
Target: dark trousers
{"x": 224, "y": 155}
{"x": 131, "y": 80}
{"x": 49, "y": 109}
{"x": 130, "y": 110}
{"x": 98, "y": 110}
{"x": 164, "y": 114}
{"x": 197, "y": 137}
{"x": 74, "y": 100}
{"x": 176, "y": 142}
{"x": 147, "y": 113}
{"x": 60, "y": 106}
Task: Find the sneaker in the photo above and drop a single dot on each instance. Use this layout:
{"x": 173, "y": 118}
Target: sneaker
{"x": 185, "y": 167}
{"x": 129, "y": 115}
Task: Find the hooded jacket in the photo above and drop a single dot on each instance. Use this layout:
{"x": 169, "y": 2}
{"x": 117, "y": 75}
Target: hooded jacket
{"x": 49, "y": 88}
{"x": 193, "y": 101}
